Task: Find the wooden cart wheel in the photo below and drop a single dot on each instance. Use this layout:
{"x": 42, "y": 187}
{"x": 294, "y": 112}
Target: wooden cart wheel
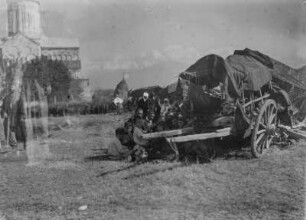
{"x": 264, "y": 128}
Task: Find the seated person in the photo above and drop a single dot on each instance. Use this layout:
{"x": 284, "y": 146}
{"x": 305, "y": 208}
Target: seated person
{"x": 138, "y": 132}
{"x": 129, "y": 126}
{"x": 129, "y": 141}
{"x": 160, "y": 126}
{"x": 159, "y": 147}
{"x": 150, "y": 121}
{"x": 116, "y": 148}
{"x": 138, "y": 114}
{"x": 172, "y": 122}
{"x": 180, "y": 122}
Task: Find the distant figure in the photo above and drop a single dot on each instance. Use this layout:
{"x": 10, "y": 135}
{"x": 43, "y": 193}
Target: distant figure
{"x": 165, "y": 108}
{"x": 130, "y": 105}
{"x": 119, "y": 105}
{"x": 157, "y": 109}
{"x": 144, "y": 103}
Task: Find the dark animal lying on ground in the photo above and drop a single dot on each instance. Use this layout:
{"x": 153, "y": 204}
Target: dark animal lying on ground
{"x": 197, "y": 151}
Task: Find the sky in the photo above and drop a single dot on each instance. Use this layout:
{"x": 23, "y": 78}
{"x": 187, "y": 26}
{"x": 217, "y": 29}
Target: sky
{"x": 152, "y": 41}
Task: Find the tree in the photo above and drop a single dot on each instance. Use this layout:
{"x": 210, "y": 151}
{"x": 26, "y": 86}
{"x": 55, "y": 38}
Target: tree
{"x": 49, "y": 74}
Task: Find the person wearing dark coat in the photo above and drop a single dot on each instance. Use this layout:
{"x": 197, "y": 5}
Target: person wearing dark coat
{"x": 157, "y": 109}
{"x": 144, "y": 104}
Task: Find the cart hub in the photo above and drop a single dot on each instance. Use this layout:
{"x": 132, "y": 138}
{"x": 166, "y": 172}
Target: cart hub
{"x": 270, "y": 130}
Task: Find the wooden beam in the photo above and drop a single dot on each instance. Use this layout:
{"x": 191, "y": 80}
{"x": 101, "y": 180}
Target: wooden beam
{"x": 256, "y": 100}
{"x": 219, "y": 133}
{"x": 170, "y": 133}
{"x": 296, "y": 132}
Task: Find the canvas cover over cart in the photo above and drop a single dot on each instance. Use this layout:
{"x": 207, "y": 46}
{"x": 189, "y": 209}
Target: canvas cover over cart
{"x": 235, "y": 96}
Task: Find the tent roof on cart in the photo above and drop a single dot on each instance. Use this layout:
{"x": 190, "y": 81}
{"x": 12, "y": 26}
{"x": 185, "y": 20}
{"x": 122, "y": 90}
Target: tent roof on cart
{"x": 236, "y": 72}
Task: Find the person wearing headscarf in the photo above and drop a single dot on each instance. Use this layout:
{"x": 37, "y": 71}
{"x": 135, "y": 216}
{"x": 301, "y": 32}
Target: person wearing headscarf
{"x": 165, "y": 108}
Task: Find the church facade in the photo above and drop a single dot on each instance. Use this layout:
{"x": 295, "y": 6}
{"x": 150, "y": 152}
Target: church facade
{"x": 26, "y": 42}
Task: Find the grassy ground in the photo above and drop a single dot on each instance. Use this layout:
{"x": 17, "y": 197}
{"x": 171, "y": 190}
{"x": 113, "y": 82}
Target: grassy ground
{"x": 232, "y": 187}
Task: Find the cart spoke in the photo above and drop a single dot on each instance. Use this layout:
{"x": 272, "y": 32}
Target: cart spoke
{"x": 261, "y": 143}
{"x": 266, "y": 115}
{"x": 263, "y": 125}
{"x": 268, "y": 142}
{"x": 271, "y": 118}
{"x": 259, "y": 132}
{"x": 268, "y": 110}
{"x": 265, "y": 143}
{"x": 260, "y": 138}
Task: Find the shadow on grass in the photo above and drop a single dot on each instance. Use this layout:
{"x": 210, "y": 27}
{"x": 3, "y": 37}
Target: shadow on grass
{"x": 97, "y": 158}
{"x": 154, "y": 171}
{"x": 100, "y": 154}
{"x": 118, "y": 170}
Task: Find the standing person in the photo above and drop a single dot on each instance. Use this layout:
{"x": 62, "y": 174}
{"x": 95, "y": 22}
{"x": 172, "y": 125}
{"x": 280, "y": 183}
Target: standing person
{"x": 143, "y": 103}
{"x": 130, "y": 104}
{"x": 10, "y": 136}
{"x": 14, "y": 120}
{"x": 157, "y": 109}
{"x": 119, "y": 104}
{"x": 150, "y": 116}
{"x": 165, "y": 108}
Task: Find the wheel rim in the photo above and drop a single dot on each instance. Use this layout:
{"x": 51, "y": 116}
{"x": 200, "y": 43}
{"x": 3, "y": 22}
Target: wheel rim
{"x": 264, "y": 129}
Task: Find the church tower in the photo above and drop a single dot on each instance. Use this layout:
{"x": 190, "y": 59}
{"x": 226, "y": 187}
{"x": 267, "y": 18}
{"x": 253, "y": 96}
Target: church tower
{"x": 24, "y": 17}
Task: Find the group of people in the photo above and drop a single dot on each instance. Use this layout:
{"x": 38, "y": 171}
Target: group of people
{"x": 150, "y": 116}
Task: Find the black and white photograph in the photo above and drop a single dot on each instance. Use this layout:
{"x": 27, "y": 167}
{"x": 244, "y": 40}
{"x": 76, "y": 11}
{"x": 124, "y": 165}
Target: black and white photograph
{"x": 152, "y": 109}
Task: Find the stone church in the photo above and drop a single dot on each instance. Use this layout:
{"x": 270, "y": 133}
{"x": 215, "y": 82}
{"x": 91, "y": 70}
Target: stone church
{"x": 26, "y": 41}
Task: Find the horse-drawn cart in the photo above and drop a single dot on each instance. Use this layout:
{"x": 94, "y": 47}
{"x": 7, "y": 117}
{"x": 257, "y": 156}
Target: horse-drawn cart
{"x": 231, "y": 97}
